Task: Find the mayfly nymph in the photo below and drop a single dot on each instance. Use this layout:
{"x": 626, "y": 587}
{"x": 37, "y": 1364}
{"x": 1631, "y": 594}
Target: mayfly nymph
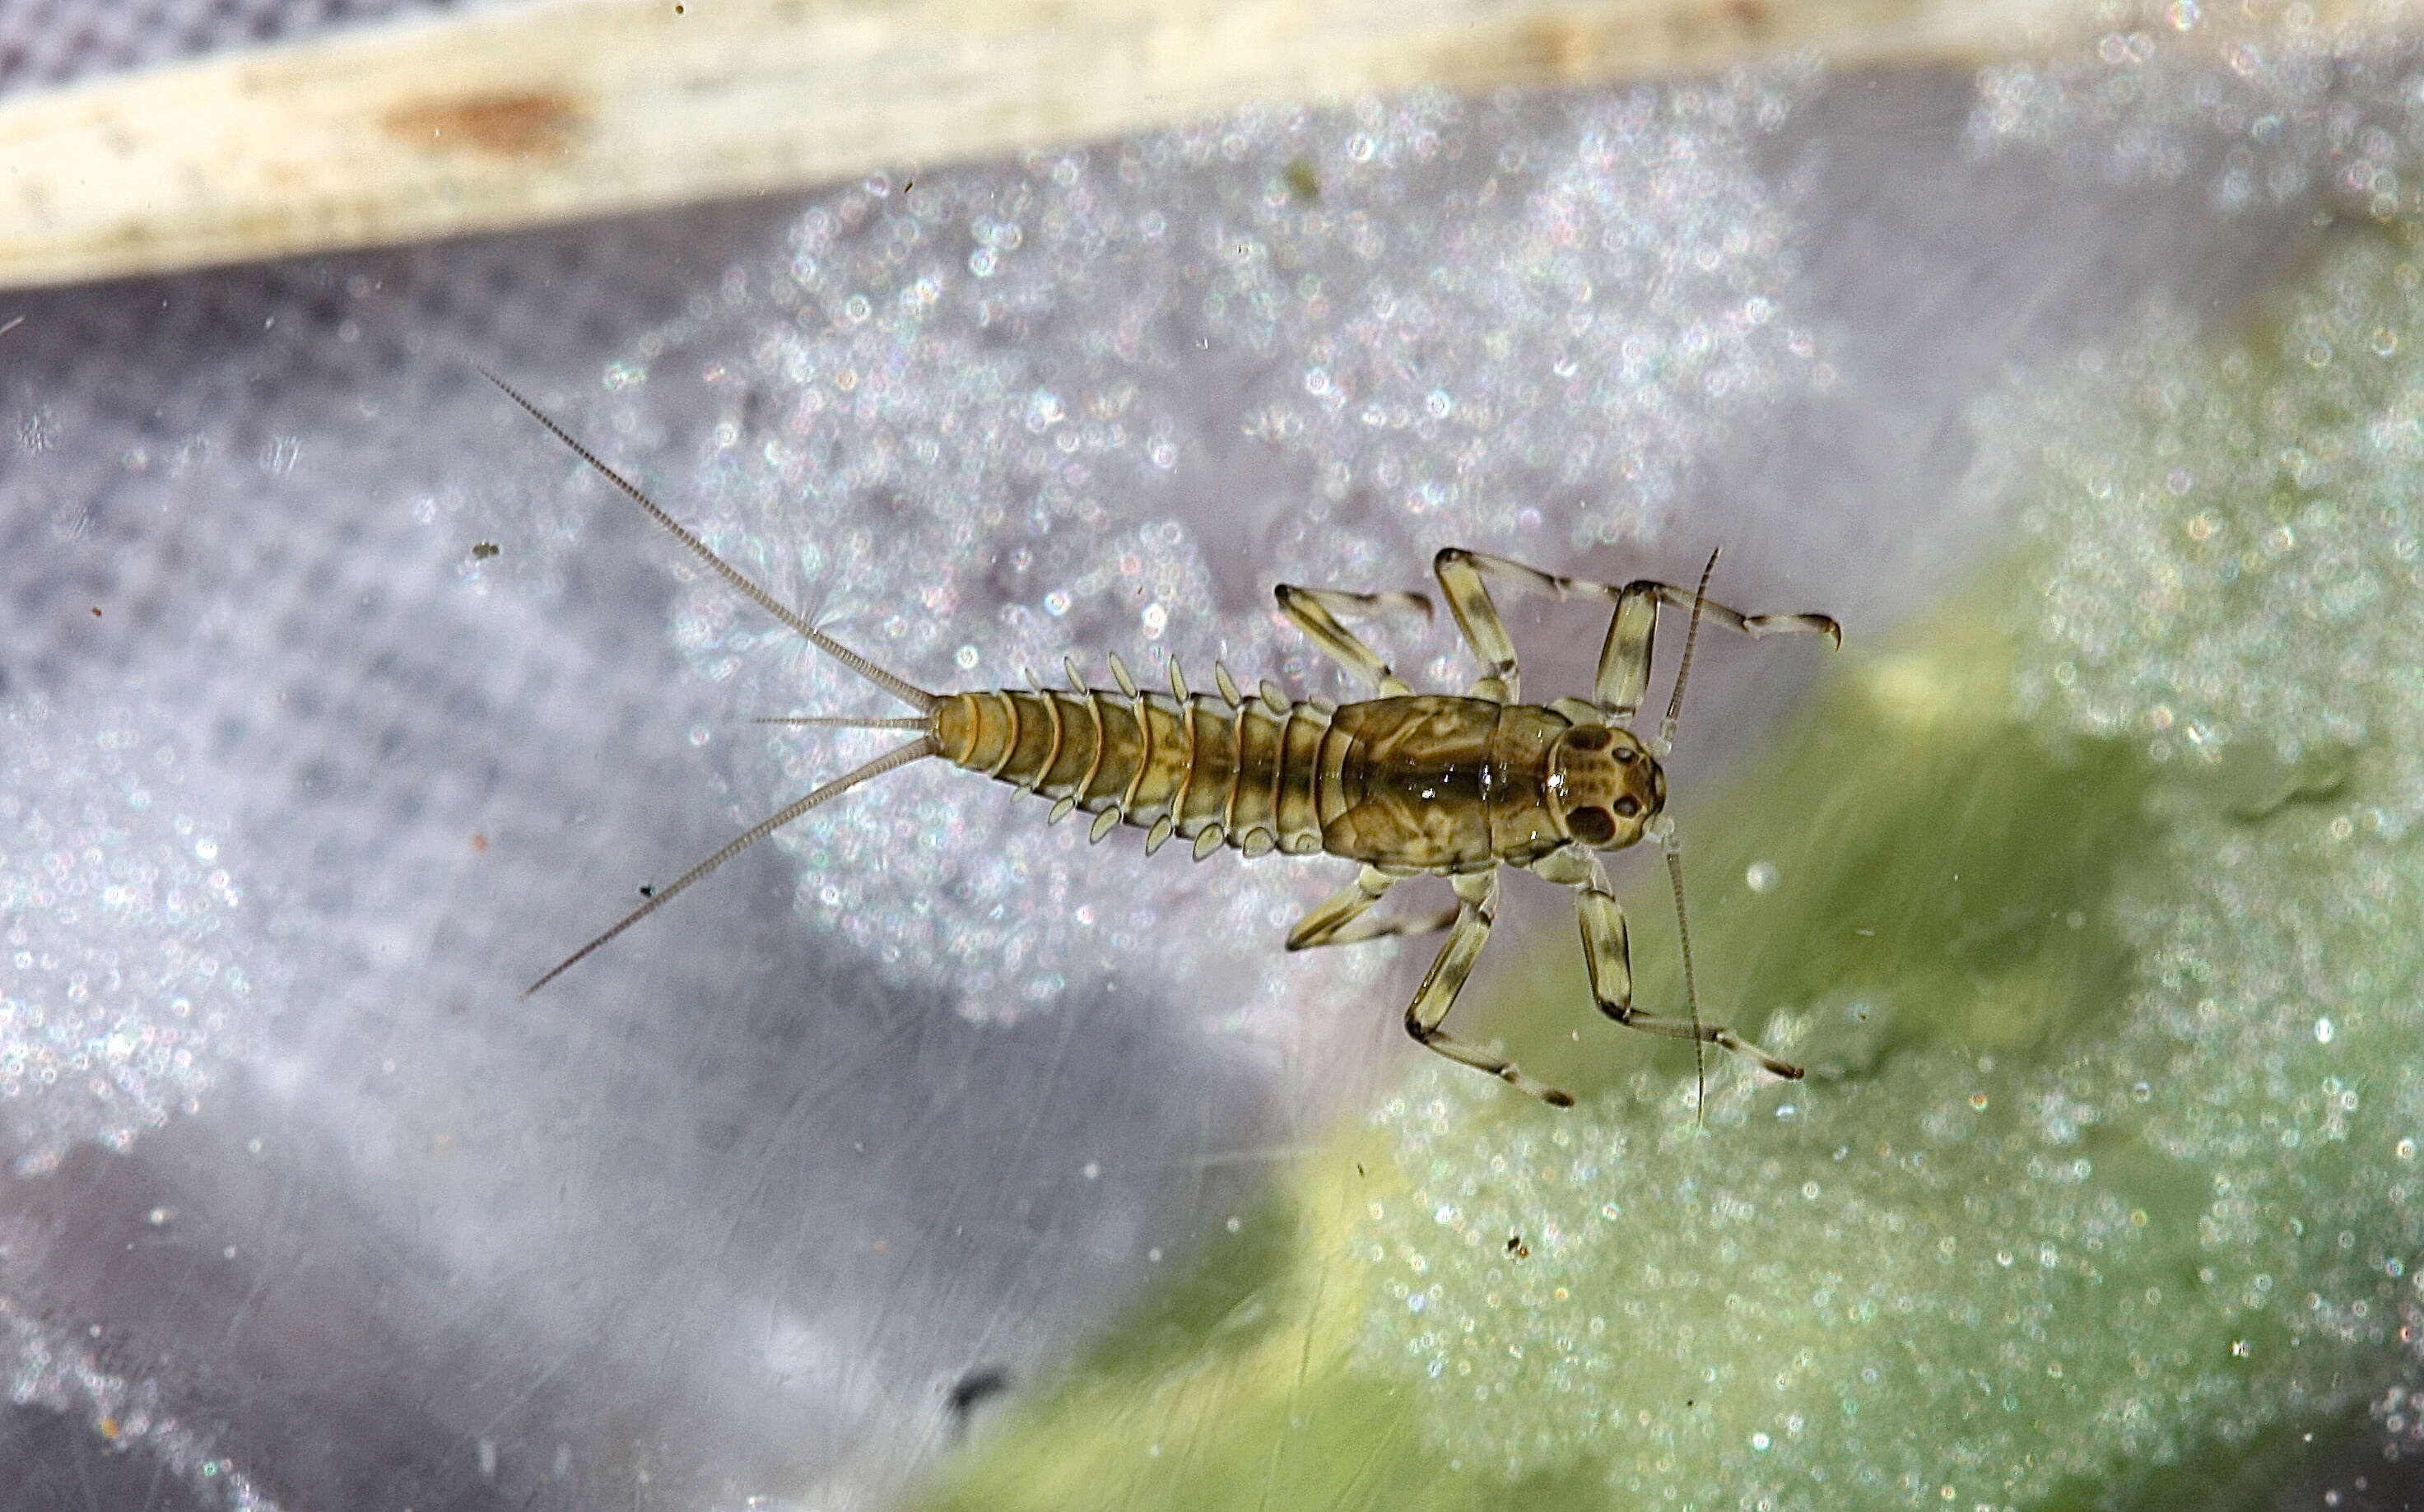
{"x": 1404, "y": 784}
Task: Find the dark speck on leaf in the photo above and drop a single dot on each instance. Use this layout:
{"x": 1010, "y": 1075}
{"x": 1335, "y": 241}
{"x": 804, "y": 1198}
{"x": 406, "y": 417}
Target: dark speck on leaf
{"x": 974, "y": 1387}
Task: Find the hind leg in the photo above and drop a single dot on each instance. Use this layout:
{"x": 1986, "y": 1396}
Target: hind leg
{"x": 1464, "y": 577}
{"x": 1316, "y": 611}
{"x": 1345, "y": 917}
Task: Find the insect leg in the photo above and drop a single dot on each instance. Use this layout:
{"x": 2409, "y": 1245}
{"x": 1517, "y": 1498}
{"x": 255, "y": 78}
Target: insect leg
{"x": 1608, "y": 954}
{"x": 1624, "y": 660}
{"x": 1463, "y": 578}
{"x": 1316, "y": 611}
{"x": 1344, "y": 918}
{"x": 1479, "y": 896}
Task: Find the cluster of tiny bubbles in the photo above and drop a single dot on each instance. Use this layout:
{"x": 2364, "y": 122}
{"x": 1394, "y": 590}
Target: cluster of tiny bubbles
{"x": 2239, "y": 588}
{"x": 2399, "y": 1409}
{"x": 1539, "y": 333}
{"x": 2247, "y": 605}
{"x": 1723, "y": 1316}
{"x": 1098, "y": 401}
{"x": 1726, "y": 1317}
{"x": 1955, "y": 1283}
{"x": 2272, "y": 106}
{"x": 59, "y": 1372}
{"x": 125, "y": 993}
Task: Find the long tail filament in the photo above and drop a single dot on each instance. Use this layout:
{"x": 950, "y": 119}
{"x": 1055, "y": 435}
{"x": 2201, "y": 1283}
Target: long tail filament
{"x": 898, "y": 686}
{"x": 898, "y": 756}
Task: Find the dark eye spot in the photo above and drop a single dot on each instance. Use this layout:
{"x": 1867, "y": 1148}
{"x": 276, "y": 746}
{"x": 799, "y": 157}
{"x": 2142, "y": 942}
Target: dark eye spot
{"x": 1591, "y": 826}
{"x": 1628, "y": 806}
{"x": 1589, "y": 738}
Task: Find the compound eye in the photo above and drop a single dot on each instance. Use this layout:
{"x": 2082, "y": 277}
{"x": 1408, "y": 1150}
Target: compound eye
{"x": 1589, "y": 738}
{"x": 1628, "y": 806}
{"x": 1624, "y": 757}
{"x": 1591, "y": 826}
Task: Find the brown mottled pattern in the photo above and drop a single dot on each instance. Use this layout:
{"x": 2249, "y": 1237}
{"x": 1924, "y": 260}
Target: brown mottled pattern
{"x": 519, "y": 124}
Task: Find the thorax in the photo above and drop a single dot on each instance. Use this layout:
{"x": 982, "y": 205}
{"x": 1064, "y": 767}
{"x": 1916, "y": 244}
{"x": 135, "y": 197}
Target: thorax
{"x": 1432, "y": 783}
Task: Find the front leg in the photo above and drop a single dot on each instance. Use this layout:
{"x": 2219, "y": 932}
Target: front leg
{"x": 1478, "y": 894}
{"x": 1607, "y": 952}
{"x": 1316, "y": 611}
{"x": 1464, "y": 579}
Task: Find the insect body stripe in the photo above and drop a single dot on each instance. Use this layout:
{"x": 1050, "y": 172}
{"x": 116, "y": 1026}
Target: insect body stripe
{"x": 1144, "y": 744}
{"x": 1044, "y": 768}
{"x": 1300, "y": 804}
{"x": 1236, "y": 750}
{"x": 1279, "y": 761}
{"x": 1093, "y": 762}
{"x": 1010, "y": 742}
{"x": 1186, "y": 763}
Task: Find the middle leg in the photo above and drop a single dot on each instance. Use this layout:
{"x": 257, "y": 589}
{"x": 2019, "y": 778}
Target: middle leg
{"x": 1624, "y": 656}
{"x": 1478, "y": 894}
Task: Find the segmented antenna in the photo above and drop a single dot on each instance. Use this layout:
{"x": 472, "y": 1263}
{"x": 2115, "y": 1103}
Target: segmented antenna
{"x": 1675, "y": 851}
{"x": 1691, "y": 634}
{"x": 1691, "y": 987}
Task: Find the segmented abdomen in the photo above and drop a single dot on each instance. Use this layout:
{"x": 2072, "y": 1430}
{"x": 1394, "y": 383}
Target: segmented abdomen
{"x": 1256, "y": 776}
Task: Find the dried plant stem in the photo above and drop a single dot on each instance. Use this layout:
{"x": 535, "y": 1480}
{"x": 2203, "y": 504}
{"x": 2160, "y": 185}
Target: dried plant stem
{"x": 570, "y": 108}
